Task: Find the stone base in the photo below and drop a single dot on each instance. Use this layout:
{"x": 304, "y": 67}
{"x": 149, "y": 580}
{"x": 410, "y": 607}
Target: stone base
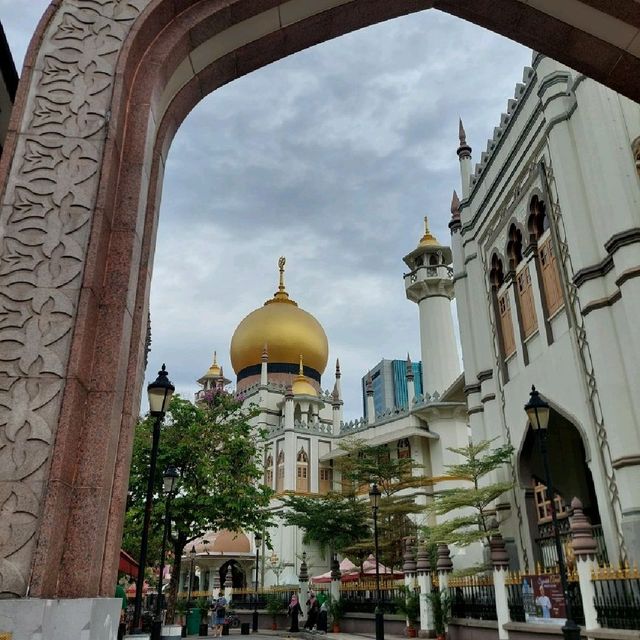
{"x": 69, "y": 619}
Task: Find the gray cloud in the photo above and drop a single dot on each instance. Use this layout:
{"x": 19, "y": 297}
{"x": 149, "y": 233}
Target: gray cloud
{"x": 330, "y": 157}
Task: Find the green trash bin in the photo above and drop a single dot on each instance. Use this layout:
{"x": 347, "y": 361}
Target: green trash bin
{"x": 193, "y": 622}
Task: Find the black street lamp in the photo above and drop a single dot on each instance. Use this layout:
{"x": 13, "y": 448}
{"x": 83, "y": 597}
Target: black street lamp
{"x": 192, "y": 556}
{"x": 159, "y": 392}
{"x": 258, "y": 539}
{"x": 538, "y": 413}
{"x": 170, "y": 481}
{"x": 374, "y": 497}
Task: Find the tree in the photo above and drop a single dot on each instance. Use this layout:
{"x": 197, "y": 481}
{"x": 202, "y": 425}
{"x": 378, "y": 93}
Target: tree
{"x": 471, "y": 526}
{"x": 333, "y": 522}
{"x": 217, "y": 454}
{"x": 399, "y": 485}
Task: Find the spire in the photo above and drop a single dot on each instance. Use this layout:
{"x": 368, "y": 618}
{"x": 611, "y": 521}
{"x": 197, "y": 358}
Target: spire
{"x": 337, "y": 369}
{"x": 428, "y": 238}
{"x": 301, "y": 369}
{"x": 464, "y": 150}
{"x": 369, "y": 384}
{"x": 409, "y": 368}
{"x": 455, "y": 212}
{"x": 281, "y": 294}
{"x": 265, "y": 353}
{"x": 335, "y": 395}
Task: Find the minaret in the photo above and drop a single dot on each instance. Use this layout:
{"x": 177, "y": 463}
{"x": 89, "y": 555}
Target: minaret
{"x": 338, "y": 376}
{"x": 263, "y": 369}
{"x": 430, "y": 285}
{"x": 455, "y": 225}
{"x": 336, "y": 405}
{"x": 371, "y": 407}
{"x": 464, "y": 155}
{"x": 411, "y": 389}
{"x": 288, "y": 408}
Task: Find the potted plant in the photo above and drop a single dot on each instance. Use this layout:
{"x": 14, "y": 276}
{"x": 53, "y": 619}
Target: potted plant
{"x": 181, "y": 612}
{"x": 274, "y": 605}
{"x": 408, "y": 604}
{"x": 441, "y": 607}
{"x": 203, "y": 605}
{"x": 336, "y": 611}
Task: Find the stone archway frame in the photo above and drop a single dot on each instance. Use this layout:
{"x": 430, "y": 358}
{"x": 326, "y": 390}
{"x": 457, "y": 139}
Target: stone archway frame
{"x": 105, "y": 86}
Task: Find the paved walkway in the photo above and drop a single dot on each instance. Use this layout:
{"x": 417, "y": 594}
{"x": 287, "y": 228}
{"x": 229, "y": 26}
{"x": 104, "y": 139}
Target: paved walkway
{"x": 266, "y": 634}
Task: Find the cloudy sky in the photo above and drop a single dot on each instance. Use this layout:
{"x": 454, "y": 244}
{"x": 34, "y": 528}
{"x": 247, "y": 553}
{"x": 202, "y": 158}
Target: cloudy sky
{"x": 330, "y": 157}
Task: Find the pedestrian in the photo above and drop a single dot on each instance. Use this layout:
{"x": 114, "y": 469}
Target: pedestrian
{"x": 324, "y": 612}
{"x": 221, "y": 614}
{"x": 294, "y": 611}
{"x": 313, "y": 607}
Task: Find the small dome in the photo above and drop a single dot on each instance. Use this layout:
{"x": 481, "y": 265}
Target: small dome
{"x": 226, "y": 542}
{"x": 428, "y": 238}
{"x": 301, "y": 386}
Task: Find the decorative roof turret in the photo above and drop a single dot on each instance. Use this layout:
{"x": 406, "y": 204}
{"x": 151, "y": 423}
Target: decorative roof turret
{"x": 409, "y": 373}
{"x": 369, "y": 385}
{"x": 444, "y": 558}
{"x": 455, "y": 223}
{"x": 582, "y": 540}
{"x": 409, "y": 565}
{"x": 464, "y": 150}
{"x": 303, "y": 576}
{"x": 338, "y": 369}
{"x": 423, "y": 564}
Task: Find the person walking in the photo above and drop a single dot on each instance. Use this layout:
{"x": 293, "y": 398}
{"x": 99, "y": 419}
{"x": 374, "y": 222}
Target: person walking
{"x": 313, "y": 607}
{"x": 294, "y": 611}
{"x": 221, "y": 614}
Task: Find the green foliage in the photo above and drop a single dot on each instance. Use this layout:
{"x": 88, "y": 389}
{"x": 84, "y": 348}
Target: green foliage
{"x": 216, "y": 453}
{"x": 274, "y": 605}
{"x": 333, "y": 521}
{"x": 471, "y": 526}
{"x": 335, "y": 608}
{"x": 441, "y": 607}
{"x": 408, "y": 605}
{"x": 203, "y": 605}
{"x": 181, "y": 606}
{"x": 399, "y": 482}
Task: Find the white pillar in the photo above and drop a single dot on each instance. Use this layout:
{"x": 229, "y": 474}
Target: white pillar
{"x": 335, "y": 579}
{"x": 371, "y": 407}
{"x": 411, "y": 388}
{"x": 500, "y": 562}
{"x": 423, "y": 572}
{"x": 584, "y": 549}
{"x": 263, "y": 368}
{"x": 464, "y": 155}
{"x": 303, "y": 581}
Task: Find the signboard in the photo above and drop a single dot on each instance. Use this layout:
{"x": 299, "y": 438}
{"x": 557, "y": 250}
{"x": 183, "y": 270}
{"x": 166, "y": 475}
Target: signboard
{"x": 542, "y": 599}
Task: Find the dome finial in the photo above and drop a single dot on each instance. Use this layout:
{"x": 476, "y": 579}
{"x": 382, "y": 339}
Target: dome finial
{"x": 301, "y": 370}
{"x": 281, "y": 262}
{"x": 215, "y": 358}
{"x": 428, "y": 237}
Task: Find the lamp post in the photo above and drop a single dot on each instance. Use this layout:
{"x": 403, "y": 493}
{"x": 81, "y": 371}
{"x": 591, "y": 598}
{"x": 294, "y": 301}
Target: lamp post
{"x": 170, "y": 480}
{"x": 374, "y": 497}
{"x": 538, "y": 413}
{"x": 159, "y": 392}
{"x": 258, "y": 540}
{"x": 192, "y": 557}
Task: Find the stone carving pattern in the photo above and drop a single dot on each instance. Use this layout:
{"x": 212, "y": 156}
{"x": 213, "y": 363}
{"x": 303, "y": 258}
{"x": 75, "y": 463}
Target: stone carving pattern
{"x": 575, "y": 308}
{"x": 45, "y": 221}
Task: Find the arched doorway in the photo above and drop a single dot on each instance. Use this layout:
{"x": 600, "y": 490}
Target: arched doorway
{"x": 571, "y": 476}
{"x": 106, "y": 85}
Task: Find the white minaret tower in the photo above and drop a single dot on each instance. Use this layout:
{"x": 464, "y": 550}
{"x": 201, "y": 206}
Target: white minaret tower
{"x": 430, "y": 285}
{"x": 464, "y": 155}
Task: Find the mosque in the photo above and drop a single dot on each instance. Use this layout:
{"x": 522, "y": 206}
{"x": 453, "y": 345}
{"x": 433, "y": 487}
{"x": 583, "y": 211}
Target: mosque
{"x": 544, "y": 264}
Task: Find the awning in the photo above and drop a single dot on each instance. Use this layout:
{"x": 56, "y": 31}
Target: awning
{"x": 128, "y": 565}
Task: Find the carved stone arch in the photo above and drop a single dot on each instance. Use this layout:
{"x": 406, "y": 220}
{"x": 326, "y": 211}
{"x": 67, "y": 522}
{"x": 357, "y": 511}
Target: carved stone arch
{"x": 537, "y": 219}
{"x": 514, "y": 248}
{"x": 496, "y": 269}
{"x": 635, "y": 149}
{"x": 106, "y": 84}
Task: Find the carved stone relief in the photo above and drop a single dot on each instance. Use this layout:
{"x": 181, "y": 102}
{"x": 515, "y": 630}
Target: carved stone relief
{"x": 45, "y": 222}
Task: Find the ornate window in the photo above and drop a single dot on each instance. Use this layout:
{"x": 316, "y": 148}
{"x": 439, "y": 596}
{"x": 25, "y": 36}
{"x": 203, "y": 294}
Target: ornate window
{"x": 543, "y": 504}
{"x": 280, "y": 472}
{"x": 302, "y": 472}
{"x": 550, "y": 276}
{"x": 326, "y": 479}
{"x": 404, "y": 448}
{"x": 268, "y": 471}
{"x": 506, "y": 325}
{"x": 527, "y": 308}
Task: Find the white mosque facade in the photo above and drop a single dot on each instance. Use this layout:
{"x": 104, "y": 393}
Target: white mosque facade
{"x": 543, "y": 263}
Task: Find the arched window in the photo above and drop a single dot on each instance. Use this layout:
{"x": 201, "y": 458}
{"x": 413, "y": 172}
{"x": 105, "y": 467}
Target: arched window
{"x": 268, "y": 471}
{"x": 280, "y": 472}
{"x": 523, "y": 282}
{"x": 404, "y": 448}
{"x": 551, "y": 285}
{"x": 433, "y": 260}
{"x": 502, "y": 307}
{"x": 302, "y": 472}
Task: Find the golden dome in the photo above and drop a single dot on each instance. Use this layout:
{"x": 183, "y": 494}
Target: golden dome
{"x": 287, "y": 330}
{"x": 301, "y": 386}
{"x": 428, "y": 238}
{"x": 214, "y": 370}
